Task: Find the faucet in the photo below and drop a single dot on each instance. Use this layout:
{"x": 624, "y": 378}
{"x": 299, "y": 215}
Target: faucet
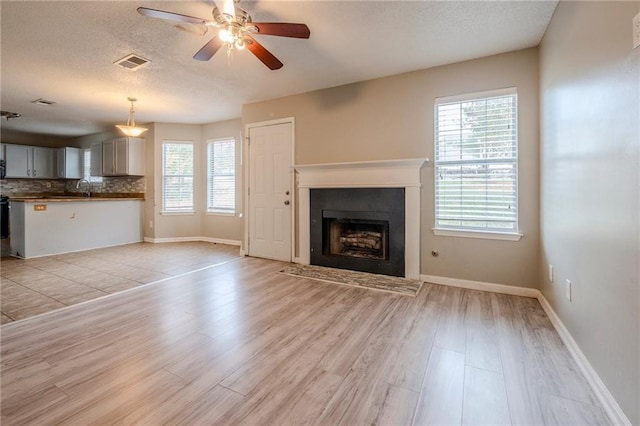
{"x": 88, "y": 191}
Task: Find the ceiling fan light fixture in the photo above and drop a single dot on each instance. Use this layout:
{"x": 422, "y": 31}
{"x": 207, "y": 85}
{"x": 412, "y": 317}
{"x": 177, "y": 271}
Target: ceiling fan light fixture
{"x": 225, "y": 35}
{"x": 130, "y": 129}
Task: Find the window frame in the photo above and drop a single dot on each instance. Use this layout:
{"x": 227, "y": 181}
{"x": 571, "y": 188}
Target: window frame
{"x": 86, "y": 167}
{"x": 469, "y": 231}
{"x": 212, "y": 210}
{"x": 177, "y": 211}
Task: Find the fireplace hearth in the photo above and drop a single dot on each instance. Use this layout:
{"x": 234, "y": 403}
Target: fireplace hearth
{"x": 360, "y": 229}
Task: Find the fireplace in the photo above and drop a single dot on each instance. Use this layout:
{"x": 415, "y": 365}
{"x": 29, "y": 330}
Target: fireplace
{"x": 393, "y": 174}
{"x": 360, "y": 229}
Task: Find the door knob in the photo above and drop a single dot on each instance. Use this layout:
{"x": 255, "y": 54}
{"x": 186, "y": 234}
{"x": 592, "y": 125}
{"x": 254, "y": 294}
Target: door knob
{"x": 286, "y": 203}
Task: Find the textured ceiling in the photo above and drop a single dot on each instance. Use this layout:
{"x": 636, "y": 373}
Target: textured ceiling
{"x": 64, "y": 51}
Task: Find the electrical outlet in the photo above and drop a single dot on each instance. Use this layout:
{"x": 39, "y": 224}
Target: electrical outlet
{"x": 568, "y": 290}
{"x": 550, "y": 273}
{"x": 636, "y": 30}
{"x": 151, "y": 224}
{"x": 48, "y": 184}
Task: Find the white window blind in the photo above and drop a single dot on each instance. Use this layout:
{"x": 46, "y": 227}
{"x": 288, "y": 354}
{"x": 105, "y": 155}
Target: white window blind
{"x": 86, "y": 167}
{"x": 221, "y": 176}
{"x": 476, "y": 162}
{"x": 177, "y": 176}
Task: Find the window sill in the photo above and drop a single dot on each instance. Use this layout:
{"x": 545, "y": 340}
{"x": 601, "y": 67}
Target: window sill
{"x": 504, "y": 236}
{"x": 178, "y": 213}
{"x": 212, "y": 213}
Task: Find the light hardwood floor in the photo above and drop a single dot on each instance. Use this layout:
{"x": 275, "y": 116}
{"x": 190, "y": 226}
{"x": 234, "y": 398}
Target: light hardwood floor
{"x": 240, "y": 343}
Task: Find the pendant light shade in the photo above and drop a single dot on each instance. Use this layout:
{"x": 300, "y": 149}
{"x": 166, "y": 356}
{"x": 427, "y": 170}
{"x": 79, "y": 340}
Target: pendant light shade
{"x": 130, "y": 128}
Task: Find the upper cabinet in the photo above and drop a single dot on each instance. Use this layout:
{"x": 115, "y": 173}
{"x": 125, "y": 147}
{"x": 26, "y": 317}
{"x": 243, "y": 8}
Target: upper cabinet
{"x": 123, "y": 157}
{"x": 96, "y": 159}
{"x": 34, "y": 162}
{"x": 69, "y": 163}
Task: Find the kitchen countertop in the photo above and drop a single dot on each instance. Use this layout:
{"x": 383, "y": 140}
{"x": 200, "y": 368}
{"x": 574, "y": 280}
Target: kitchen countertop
{"x": 74, "y": 198}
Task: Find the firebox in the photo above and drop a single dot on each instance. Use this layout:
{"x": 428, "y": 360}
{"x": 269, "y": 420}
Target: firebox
{"x": 360, "y": 229}
{"x": 356, "y": 238}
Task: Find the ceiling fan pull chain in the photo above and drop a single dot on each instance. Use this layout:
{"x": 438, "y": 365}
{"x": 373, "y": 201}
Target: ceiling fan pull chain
{"x": 229, "y": 49}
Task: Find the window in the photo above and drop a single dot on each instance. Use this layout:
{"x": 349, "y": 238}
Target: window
{"x": 221, "y": 176}
{"x": 86, "y": 167}
{"x": 177, "y": 177}
{"x": 476, "y": 162}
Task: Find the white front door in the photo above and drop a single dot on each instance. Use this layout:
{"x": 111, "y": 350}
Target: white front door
{"x": 270, "y": 199}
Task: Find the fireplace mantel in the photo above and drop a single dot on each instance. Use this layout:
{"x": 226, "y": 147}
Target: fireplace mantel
{"x": 365, "y": 174}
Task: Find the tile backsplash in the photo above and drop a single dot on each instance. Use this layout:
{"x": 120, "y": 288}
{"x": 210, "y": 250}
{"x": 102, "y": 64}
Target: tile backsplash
{"x": 31, "y": 186}
{"x": 120, "y": 184}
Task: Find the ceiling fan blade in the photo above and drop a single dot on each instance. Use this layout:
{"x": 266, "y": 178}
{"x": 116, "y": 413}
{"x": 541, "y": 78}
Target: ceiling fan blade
{"x": 282, "y": 29}
{"x": 193, "y": 28}
{"x": 208, "y": 50}
{"x": 170, "y": 16}
{"x": 263, "y": 54}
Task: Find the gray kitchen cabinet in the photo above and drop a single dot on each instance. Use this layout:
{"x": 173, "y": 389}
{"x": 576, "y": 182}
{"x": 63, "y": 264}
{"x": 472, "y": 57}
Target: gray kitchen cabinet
{"x": 69, "y": 163}
{"x": 96, "y": 159}
{"x": 23, "y": 161}
{"x": 123, "y": 157}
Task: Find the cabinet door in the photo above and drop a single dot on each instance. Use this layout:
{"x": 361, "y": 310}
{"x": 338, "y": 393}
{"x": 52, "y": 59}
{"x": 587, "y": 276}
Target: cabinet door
{"x": 18, "y": 161}
{"x": 69, "y": 163}
{"x": 121, "y": 147}
{"x": 135, "y": 157}
{"x": 43, "y": 163}
{"x": 108, "y": 160}
{"x": 73, "y": 163}
{"x": 96, "y": 159}
{"x": 60, "y": 163}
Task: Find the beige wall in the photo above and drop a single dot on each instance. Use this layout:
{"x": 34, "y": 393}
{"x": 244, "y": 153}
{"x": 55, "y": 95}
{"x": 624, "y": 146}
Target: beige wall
{"x": 20, "y": 138}
{"x": 590, "y": 185}
{"x": 175, "y": 225}
{"x": 199, "y": 224}
{"x": 86, "y": 141}
{"x": 224, "y": 226}
{"x": 392, "y": 118}
{"x": 148, "y": 219}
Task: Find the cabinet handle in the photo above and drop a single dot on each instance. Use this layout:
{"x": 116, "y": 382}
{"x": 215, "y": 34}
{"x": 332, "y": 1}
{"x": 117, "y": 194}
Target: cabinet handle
{"x": 34, "y": 173}
{"x": 28, "y": 172}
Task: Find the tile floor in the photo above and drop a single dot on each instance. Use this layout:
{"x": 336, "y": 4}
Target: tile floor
{"x": 33, "y": 286}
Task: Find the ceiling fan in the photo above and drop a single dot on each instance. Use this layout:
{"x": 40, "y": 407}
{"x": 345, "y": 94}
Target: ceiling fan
{"x": 235, "y": 31}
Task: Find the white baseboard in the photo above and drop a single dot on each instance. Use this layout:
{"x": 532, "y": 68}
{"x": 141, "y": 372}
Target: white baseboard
{"x": 479, "y": 285}
{"x": 608, "y": 402}
{"x": 191, "y": 239}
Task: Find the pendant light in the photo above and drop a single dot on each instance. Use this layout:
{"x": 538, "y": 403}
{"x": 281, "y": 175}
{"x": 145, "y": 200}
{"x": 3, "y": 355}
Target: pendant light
{"x": 130, "y": 128}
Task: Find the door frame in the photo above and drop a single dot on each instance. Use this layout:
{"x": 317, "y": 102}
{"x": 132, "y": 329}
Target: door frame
{"x": 246, "y": 155}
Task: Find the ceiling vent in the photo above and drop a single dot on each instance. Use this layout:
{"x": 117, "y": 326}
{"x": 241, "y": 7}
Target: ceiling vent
{"x": 43, "y": 102}
{"x": 132, "y": 62}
